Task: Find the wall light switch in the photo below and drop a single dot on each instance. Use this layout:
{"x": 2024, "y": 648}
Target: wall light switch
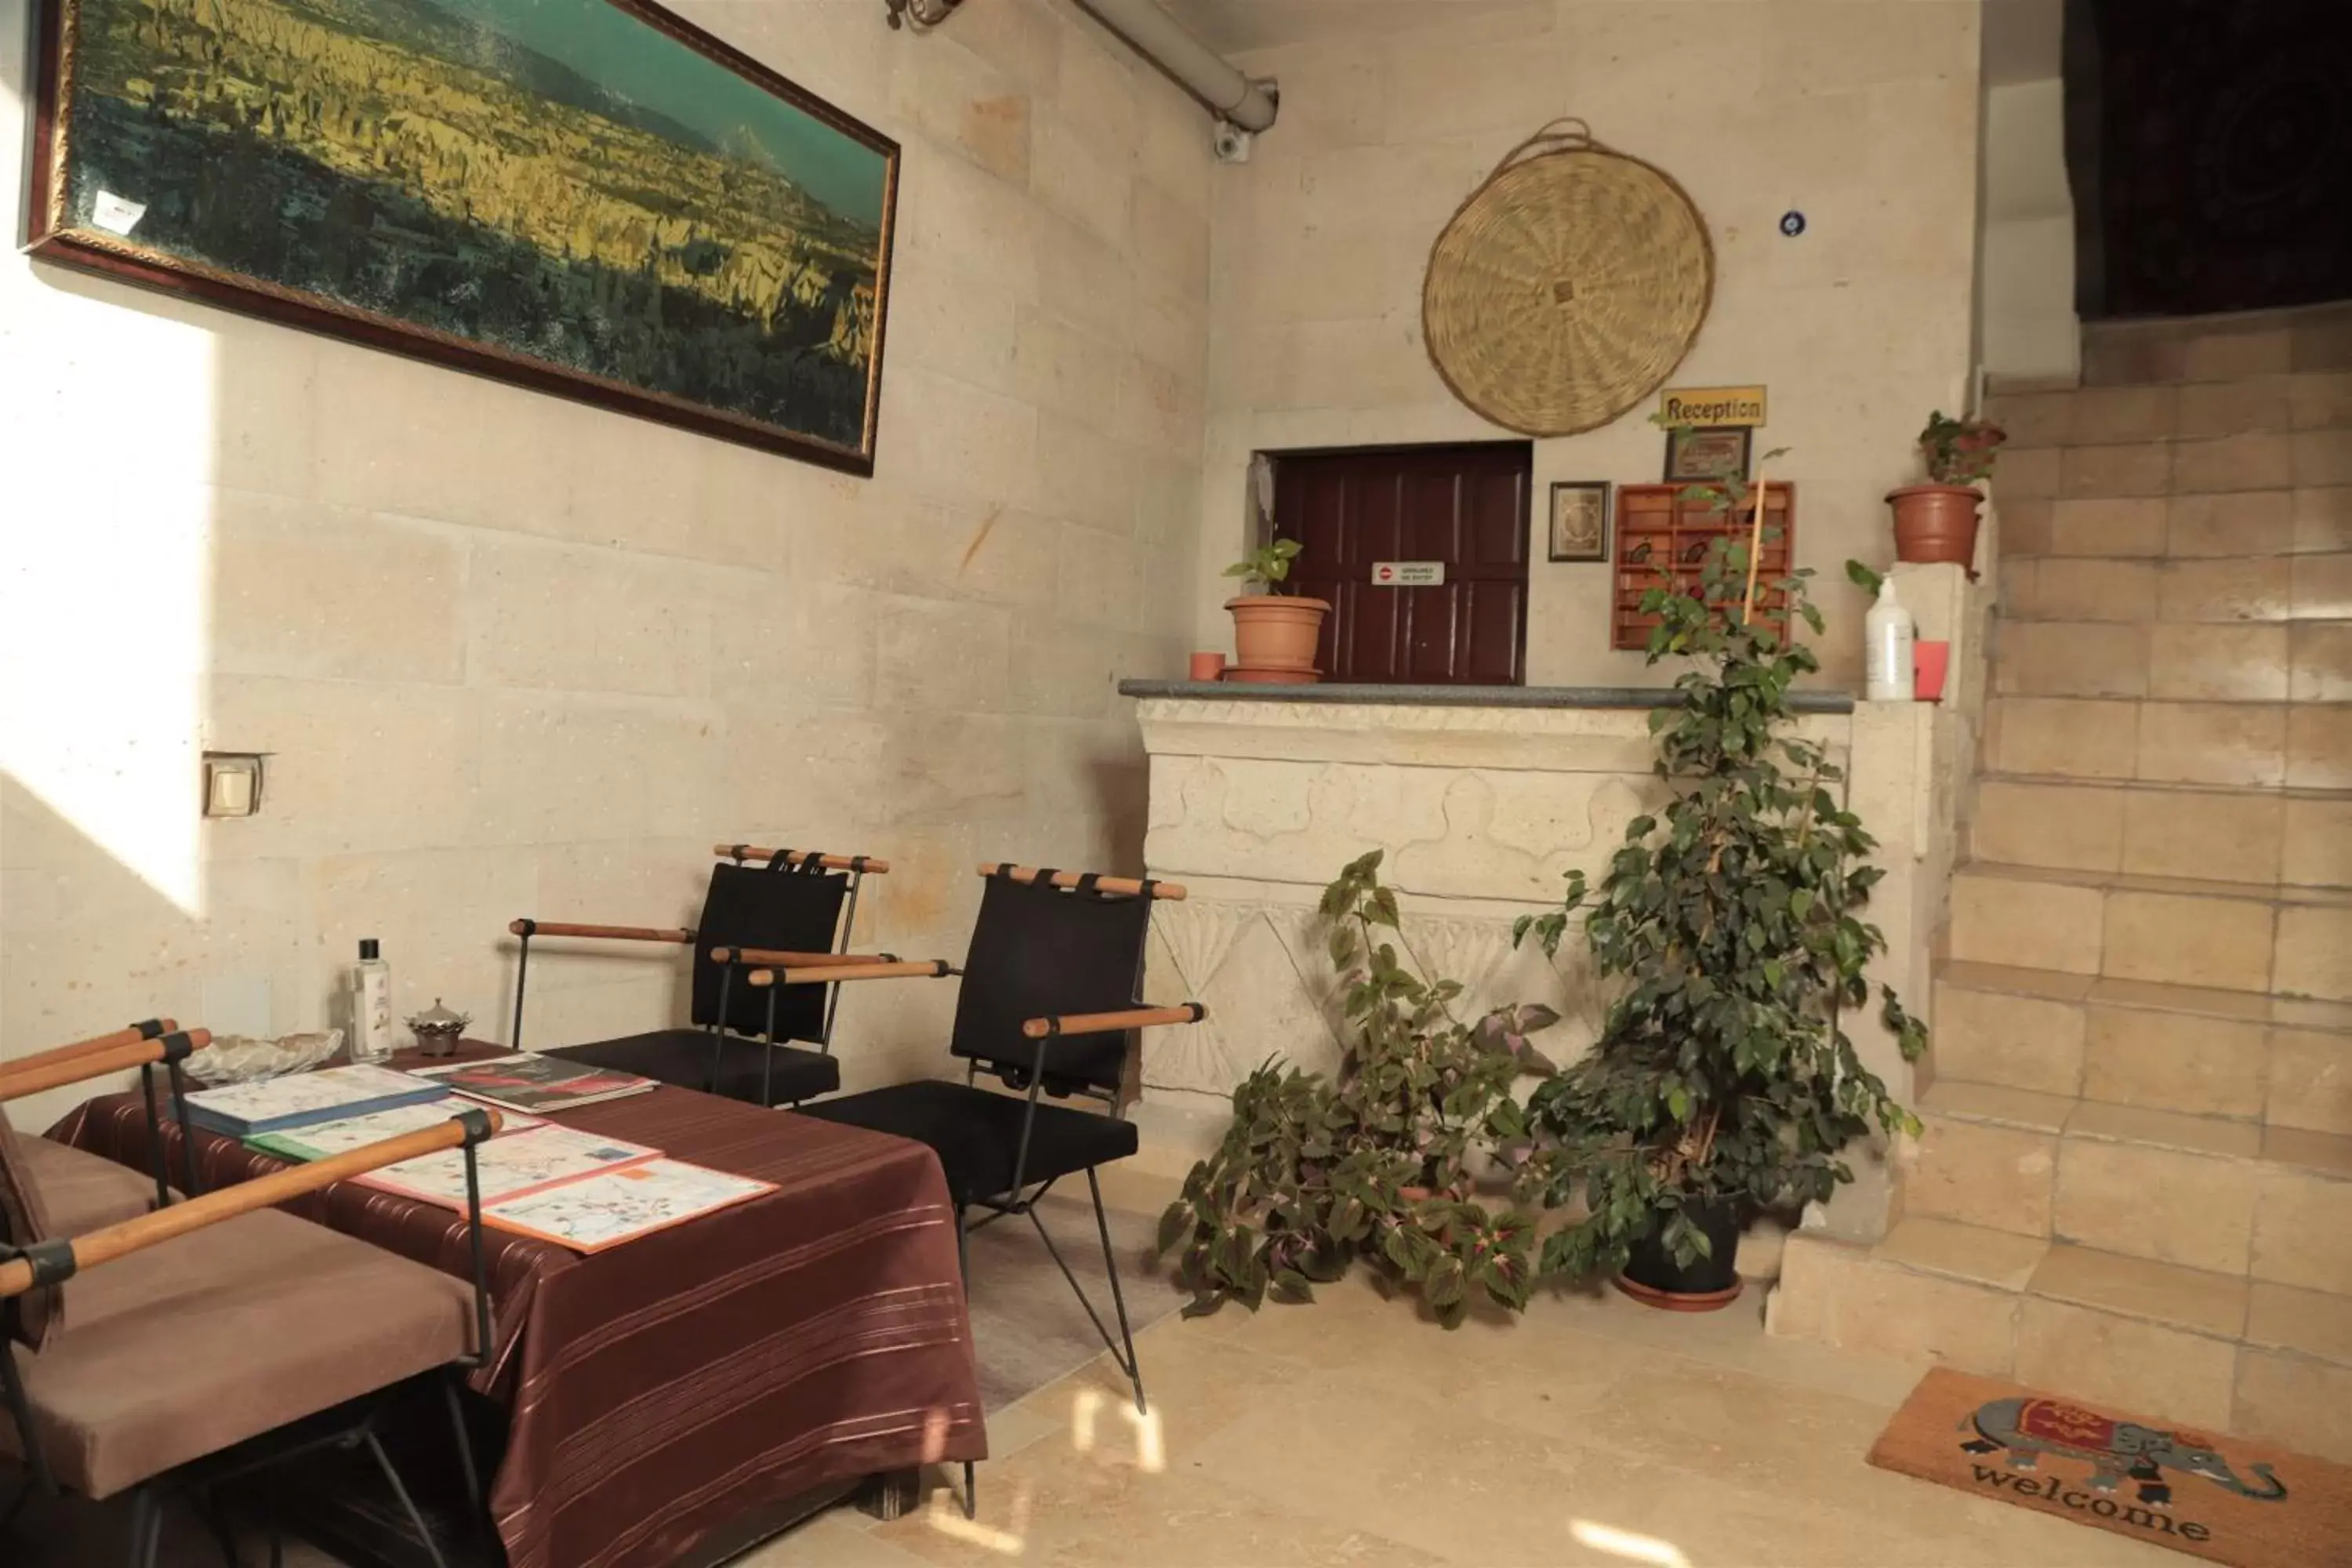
{"x": 232, "y": 784}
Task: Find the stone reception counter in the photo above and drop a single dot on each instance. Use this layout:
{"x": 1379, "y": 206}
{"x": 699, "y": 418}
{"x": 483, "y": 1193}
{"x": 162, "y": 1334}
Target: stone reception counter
{"x": 1483, "y": 799}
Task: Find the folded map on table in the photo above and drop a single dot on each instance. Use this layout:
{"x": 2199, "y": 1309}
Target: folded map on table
{"x": 511, "y": 1167}
{"x": 597, "y": 1212}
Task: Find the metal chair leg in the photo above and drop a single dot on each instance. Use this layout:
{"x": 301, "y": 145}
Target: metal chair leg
{"x": 37, "y": 1474}
{"x": 215, "y": 1513}
{"x": 474, "y": 1497}
{"x": 407, "y": 1503}
{"x": 1122, "y": 1350}
{"x": 146, "y": 1527}
{"x": 1118, "y": 1297}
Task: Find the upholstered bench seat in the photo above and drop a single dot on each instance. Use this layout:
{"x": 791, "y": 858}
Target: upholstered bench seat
{"x": 82, "y": 1192}
{"x": 139, "y": 1376}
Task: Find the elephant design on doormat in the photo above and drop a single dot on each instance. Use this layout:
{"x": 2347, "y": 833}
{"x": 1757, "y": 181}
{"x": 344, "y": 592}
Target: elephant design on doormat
{"x": 2028, "y": 1428}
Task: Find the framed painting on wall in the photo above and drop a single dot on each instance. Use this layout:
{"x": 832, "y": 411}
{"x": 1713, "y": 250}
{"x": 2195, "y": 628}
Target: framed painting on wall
{"x": 590, "y": 197}
{"x": 1697, "y": 457}
{"x": 1579, "y": 519}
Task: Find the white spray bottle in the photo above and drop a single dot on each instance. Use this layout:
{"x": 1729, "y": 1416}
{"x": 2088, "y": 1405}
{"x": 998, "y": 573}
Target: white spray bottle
{"x": 1890, "y": 632}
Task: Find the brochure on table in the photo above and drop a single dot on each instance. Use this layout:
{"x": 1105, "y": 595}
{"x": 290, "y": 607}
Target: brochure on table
{"x": 596, "y": 1212}
{"x": 529, "y": 1082}
{"x": 511, "y": 1167}
{"x": 321, "y": 1139}
{"x": 299, "y": 1099}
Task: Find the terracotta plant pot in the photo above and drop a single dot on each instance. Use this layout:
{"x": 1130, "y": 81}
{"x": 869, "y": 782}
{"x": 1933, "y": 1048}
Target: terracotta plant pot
{"x": 1936, "y": 522}
{"x": 1276, "y": 633}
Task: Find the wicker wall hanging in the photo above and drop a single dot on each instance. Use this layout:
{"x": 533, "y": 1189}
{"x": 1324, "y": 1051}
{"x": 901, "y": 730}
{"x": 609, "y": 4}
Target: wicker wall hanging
{"x": 1568, "y": 287}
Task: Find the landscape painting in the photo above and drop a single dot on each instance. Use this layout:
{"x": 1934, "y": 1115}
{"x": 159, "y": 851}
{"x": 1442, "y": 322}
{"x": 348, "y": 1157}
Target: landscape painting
{"x": 588, "y": 196}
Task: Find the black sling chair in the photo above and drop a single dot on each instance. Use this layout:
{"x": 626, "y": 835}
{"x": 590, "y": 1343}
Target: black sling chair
{"x": 1048, "y": 1003}
{"x": 800, "y": 903}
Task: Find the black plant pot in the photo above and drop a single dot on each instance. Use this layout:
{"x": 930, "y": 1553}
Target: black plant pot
{"x": 1653, "y": 1278}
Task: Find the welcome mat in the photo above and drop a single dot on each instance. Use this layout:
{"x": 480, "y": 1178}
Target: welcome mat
{"x": 2225, "y": 1498}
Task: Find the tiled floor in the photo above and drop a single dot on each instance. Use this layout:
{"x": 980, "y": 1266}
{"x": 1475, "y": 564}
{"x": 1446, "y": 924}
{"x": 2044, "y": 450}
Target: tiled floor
{"x": 1594, "y": 1431}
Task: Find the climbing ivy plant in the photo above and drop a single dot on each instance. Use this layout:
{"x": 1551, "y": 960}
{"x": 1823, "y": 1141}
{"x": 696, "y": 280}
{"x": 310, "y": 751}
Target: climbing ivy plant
{"x": 1374, "y": 1165}
{"x": 1730, "y": 921}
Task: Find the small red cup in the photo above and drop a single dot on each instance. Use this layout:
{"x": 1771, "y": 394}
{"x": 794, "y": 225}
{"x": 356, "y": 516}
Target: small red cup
{"x": 1930, "y": 661}
{"x": 1207, "y": 667}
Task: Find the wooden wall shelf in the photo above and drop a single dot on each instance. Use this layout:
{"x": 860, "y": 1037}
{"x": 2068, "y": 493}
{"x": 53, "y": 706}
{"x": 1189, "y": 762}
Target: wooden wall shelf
{"x": 1658, "y": 531}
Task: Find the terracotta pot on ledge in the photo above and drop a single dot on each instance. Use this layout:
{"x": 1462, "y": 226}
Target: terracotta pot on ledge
{"x": 1275, "y": 636}
{"x": 1936, "y": 522}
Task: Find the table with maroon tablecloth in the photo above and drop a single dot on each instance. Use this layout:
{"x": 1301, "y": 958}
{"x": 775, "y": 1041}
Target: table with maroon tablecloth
{"x": 669, "y": 1385}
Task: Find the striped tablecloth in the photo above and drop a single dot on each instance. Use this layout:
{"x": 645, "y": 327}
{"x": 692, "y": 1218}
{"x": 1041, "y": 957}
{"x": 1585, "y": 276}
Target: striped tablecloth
{"x": 658, "y": 1390}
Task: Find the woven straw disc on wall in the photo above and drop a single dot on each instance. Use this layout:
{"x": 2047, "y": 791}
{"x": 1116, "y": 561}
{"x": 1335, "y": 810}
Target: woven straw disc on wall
{"x": 1568, "y": 287}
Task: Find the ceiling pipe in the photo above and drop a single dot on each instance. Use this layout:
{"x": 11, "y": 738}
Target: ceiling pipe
{"x": 1207, "y": 75}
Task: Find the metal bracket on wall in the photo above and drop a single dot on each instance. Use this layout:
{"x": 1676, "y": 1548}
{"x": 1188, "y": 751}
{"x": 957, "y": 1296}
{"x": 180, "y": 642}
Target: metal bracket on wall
{"x": 922, "y": 13}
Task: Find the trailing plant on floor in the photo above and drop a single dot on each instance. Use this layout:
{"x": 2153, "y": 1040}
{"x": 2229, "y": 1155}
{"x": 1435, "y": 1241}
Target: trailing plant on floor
{"x": 1375, "y": 1163}
{"x": 1731, "y": 919}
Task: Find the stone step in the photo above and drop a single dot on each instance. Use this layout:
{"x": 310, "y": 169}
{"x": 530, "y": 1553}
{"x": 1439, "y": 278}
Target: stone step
{"x": 2279, "y": 519}
{"x": 2203, "y": 1192}
{"x": 2308, "y": 338}
{"x": 2232, "y": 1053}
{"x": 2201, "y": 1347}
{"x": 2302, "y": 661}
{"x": 2226, "y": 936}
{"x": 2248, "y": 834}
{"x": 2234, "y": 744}
{"x": 2257, "y": 460}
{"x": 2211, "y": 590}
{"x": 2108, "y": 416}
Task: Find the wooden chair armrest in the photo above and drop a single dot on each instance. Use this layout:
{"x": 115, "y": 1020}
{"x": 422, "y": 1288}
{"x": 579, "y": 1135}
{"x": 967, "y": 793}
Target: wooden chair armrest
{"x": 870, "y": 863}
{"x": 527, "y": 927}
{"x": 931, "y": 968}
{"x": 148, "y": 1230}
{"x": 154, "y": 1028}
{"x": 1126, "y": 886}
{"x": 1109, "y": 1023}
{"x": 21, "y": 1079}
{"x": 779, "y": 958}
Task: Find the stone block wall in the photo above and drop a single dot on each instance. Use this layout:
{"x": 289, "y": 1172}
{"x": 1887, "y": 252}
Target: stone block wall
{"x": 511, "y": 654}
{"x": 1861, "y": 114}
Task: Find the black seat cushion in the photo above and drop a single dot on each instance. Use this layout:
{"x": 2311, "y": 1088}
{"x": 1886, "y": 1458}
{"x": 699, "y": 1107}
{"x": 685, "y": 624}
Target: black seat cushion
{"x": 976, "y": 1134}
{"x": 683, "y": 1056}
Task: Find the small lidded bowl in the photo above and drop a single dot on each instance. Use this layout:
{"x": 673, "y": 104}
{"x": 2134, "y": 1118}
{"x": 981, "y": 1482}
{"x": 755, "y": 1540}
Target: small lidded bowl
{"x": 438, "y": 1029}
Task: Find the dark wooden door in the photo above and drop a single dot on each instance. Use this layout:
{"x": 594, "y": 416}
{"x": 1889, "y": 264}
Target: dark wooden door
{"x": 1463, "y": 506}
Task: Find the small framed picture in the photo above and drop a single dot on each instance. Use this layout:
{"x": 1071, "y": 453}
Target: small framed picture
{"x": 1579, "y": 519}
{"x": 1696, "y": 456}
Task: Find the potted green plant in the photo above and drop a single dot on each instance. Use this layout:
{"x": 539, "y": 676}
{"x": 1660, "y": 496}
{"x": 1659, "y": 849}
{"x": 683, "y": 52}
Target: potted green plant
{"x": 1722, "y": 1078}
{"x": 1938, "y": 520}
{"x": 1376, "y": 1163}
{"x": 1274, "y": 633}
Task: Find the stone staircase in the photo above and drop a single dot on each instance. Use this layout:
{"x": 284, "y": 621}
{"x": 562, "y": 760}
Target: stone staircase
{"x": 2135, "y": 1181}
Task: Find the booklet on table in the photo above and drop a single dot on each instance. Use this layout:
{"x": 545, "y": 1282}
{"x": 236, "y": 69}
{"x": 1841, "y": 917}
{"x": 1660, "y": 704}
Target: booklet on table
{"x": 527, "y": 1081}
{"x": 320, "y": 1139}
{"x": 299, "y": 1099}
